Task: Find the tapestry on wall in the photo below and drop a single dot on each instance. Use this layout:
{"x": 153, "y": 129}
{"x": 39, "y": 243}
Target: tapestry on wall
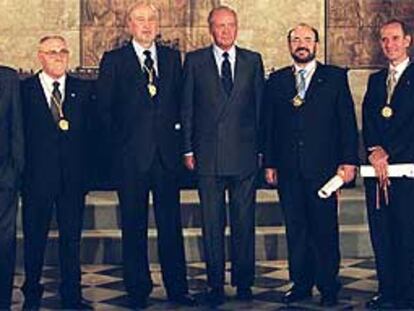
{"x": 183, "y": 25}
{"x": 352, "y": 29}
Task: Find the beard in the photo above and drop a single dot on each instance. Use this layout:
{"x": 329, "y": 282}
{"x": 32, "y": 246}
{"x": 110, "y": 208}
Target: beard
{"x": 303, "y": 59}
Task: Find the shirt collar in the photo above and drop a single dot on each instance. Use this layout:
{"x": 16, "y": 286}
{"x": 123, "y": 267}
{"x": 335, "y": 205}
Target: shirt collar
{"x": 310, "y": 67}
{"x": 139, "y": 50}
{"x": 218, "y": 52}
{"x": 49, "y": 80}
{"x": 400, "y": 67}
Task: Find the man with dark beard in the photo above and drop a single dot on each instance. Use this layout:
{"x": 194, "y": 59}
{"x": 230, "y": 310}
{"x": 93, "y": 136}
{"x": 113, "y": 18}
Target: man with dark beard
{"x": 311, "y": 135}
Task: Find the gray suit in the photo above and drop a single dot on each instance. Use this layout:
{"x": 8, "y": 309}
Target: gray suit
{"x": 223, "y": 133}
{"x": 11, "y": 164}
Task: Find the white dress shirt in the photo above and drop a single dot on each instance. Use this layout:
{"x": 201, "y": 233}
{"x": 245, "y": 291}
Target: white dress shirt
{"x": 218, "y": 56}
{"x": 399, "y": 69}
{"x": 139, "y": 51}
{"x": 47, "y": 85}
{"x": 309, "y": 71}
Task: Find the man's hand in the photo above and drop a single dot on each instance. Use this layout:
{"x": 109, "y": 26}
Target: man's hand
{"x": 379, "y": 160}
{"x": 347, "y": 172}
{"x": 189, "y": 162}
{"x": 271, "y": 176}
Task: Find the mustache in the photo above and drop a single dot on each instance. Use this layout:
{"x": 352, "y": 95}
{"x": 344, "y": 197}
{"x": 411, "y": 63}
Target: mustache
{"x": 302, "y": 49}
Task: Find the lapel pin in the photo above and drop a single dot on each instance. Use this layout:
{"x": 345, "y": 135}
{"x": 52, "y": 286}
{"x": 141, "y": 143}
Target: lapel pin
{"x": 177, "y": 126}
{"x": 72, "y": 95}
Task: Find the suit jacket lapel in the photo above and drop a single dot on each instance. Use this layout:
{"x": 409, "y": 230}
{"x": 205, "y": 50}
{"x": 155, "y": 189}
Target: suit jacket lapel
{"x": 162, "y": 73}
{"x": 70, "y": 96}
{"x": 41, "y": 100}
{"x": 290, "y": 85}
{"x": 403, "y": 83}
{"x": 134, "y": 73}
{"x": 211, "y": 70}
{"x": 382, "y": 88}
{"x": 239, "y": 68}
{"x": 317, "y": 80}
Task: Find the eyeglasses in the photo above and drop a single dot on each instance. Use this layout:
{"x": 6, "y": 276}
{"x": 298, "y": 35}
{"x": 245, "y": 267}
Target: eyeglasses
{"x": 305, "y": 40}
{"x": 54, "y": 53}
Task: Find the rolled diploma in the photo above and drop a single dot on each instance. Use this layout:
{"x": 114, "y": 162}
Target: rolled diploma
{"x": 394, "y": 170}
{"x": 330, "y": 187}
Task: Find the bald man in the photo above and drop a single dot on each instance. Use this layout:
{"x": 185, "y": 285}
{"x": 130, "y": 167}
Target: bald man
{"x": 54, "y": 181}
{"x": 138, "y": 89}
{"x": 388, "y": 131}
{"x": 311, "y": 136}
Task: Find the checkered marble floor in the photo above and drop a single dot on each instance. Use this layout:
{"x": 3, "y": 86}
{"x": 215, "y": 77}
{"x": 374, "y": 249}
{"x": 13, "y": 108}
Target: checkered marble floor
{"x": 103, "y": 287}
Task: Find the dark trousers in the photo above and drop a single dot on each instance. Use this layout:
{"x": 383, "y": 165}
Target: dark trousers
{"x": 37, "y": 214}
{"x": 242, "y": 218}
{"x": 312, "y": 234}
{"x": 8, "y": 208}
{"x": 392, "y": 237}
{"x": 133, "y": 197}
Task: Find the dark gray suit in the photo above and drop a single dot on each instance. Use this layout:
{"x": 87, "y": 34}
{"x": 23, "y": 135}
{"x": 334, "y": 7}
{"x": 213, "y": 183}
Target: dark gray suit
{"x": 223, "y": 133}
{"x": 11, "y": 164}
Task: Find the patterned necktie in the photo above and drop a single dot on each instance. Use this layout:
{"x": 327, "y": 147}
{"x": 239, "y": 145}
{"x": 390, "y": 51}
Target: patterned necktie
{"x": 56, "y": 101}
{"x": 391, "y": 83}
{"x": 149, "y": 67}
{"x": 226, "y": 78}
{"x": 301, "y": 83}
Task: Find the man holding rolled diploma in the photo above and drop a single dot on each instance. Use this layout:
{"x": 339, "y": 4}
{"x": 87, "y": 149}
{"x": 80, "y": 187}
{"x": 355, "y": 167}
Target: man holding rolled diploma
{"x": 311, "y": 136}
{"x": 388, "y": 131}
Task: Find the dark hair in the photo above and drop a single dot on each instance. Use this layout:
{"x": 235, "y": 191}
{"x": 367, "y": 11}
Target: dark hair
{"x": 304, "y": 25}
{"x": 404, "y": 27}
{"x": 220, "y": 8}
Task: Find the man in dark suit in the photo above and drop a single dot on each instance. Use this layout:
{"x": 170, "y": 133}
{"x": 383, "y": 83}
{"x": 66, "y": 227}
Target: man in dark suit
{"x": 222, "y": 96}
{"x": 311, "y": 135}
{"x": 11, "y": 165}
{"x": 53, "y": 104}
{"x": 138, "y": 90}
{"x": 388, "y": 131}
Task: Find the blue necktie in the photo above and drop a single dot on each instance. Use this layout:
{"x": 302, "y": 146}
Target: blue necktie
{"x": 301, "y": 83}
{"x": 226, "y": 78}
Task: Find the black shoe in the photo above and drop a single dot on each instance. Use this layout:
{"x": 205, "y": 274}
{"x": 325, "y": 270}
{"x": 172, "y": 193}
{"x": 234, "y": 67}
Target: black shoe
{"x": 295, "y": 294}
{"x": 329, "y": 300}
{"x": 380, "y": 302}
{"x": 183, "y": 300}
{"x": 244, "y": 293}
{"x": 31, "y": 304}
{"x": 138, "y": 302}
{"x": 215, "y": 297}
{"x": 76, "y": 305}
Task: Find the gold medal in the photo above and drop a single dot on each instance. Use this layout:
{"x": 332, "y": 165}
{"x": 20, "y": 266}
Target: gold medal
{"x": 63, "y": 124}
{"x": 387, "y": 112}
{"x": 297, "y": 101}
{"x": 152, "y": 89}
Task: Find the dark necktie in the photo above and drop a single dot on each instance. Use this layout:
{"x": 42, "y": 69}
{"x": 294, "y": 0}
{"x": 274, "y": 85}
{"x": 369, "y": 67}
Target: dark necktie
{"x": 56, "y": 101}
{"x": 149, "y": 67}
{"x": 226, "y": 78}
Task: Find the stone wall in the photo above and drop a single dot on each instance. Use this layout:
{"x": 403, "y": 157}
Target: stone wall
{"x": 24, "y": 22}
{"x": 263, "y": 27}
